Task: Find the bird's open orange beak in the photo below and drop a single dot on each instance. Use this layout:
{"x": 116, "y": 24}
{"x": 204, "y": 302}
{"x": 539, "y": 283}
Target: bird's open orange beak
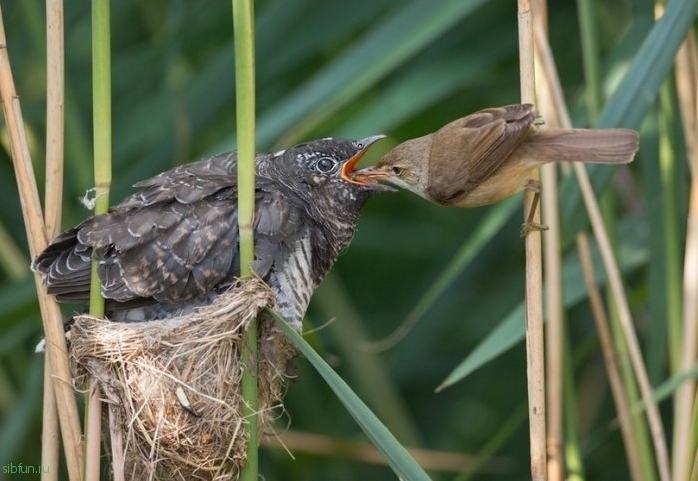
{"x": 348, "y": 173}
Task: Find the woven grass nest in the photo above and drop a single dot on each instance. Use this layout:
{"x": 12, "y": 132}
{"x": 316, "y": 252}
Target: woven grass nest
{"x": 172, "y": 387}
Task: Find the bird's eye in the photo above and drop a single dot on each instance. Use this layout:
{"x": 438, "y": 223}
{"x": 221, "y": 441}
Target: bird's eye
{"x": 325, "y": 165}
{"x": 397, "y": 170}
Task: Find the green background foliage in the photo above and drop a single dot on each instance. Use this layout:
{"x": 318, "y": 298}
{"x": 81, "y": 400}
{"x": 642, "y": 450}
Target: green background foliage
{"x": 357, "y": 68}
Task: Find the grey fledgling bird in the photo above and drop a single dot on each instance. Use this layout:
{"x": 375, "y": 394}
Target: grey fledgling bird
{"x": 174, "y": 245}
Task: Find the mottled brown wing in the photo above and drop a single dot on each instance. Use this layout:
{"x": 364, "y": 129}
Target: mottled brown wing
{"x": 467, "y": 151}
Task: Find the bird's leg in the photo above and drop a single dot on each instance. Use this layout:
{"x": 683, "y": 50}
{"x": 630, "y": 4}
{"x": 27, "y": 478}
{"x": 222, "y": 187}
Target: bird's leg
{"x": 530, "y": 226}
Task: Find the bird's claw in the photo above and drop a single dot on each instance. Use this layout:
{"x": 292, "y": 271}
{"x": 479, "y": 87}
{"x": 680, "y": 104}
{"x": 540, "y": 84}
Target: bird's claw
{"x": 528, "y": 227}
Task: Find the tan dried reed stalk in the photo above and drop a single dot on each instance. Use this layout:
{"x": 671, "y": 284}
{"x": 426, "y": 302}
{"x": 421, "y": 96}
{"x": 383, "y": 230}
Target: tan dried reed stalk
{"x": 550, "y": 84}
{"x": 615, "y": 281}
{"x": 535, "y": 348}
{"x": 685, "y": 457}
{"x": 37, "y": 237}
{"x": 53, "y": 200}
{"x": 552, "y": 269}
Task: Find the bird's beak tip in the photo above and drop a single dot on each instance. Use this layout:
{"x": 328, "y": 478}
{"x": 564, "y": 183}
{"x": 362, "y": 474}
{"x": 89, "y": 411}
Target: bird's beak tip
{"x": 363, "y": 144}
{"x": 349, "y": 174}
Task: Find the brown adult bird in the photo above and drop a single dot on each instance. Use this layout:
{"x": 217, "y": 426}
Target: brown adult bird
{"x": 487, "y": 156}
{"x": 174, "y": 245}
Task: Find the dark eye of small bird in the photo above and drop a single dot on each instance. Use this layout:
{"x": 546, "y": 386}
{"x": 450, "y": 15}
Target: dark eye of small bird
{"x": 397, "y": 170}
{"x": 325, "y": 165}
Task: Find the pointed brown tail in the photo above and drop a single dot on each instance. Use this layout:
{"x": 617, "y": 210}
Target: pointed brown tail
{"x": 609, "y": 146}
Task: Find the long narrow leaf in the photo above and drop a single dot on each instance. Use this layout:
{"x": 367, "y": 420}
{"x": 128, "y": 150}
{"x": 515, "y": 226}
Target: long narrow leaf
{"x": 482, "y": 234}
{"x": 633, "y": 98}
{"x": 410, "y": 29}
{"x": 511, "y": 330}
{"x": 395, "y": 454}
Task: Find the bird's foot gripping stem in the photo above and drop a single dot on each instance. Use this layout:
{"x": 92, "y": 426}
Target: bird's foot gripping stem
{"x": 530, "y": 226}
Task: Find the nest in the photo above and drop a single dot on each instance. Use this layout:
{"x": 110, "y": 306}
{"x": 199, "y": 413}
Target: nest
{"x": 173, "y": 386}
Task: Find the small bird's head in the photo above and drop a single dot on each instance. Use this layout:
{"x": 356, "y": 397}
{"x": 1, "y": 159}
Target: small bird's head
{"x": 405, "y": 166}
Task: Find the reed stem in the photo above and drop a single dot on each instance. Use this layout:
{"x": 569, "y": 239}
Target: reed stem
{"x": 243, "y": 24}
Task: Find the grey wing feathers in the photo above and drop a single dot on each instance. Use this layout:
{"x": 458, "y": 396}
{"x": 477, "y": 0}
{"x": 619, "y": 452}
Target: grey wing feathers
{"x": 174, "y": 241}
{"x": 277, "y": 225}
{"x": 186, "y": 183}
{"x": 66, "y": 265}
{"x": 172, "y": 253}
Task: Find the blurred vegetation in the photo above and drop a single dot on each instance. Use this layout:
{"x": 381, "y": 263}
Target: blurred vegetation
{"x": 356, "y": 68}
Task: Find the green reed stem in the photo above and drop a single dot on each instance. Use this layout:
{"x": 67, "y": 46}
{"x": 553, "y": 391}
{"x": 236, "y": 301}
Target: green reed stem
{"x": 101, "y": 114}
{"x": 243, "y": 25}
